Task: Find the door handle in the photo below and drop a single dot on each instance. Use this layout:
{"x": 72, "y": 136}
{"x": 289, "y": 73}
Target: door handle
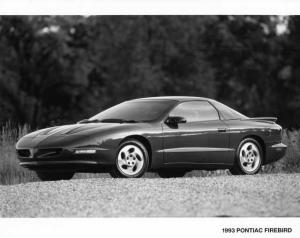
{"x": 222, "y": 129}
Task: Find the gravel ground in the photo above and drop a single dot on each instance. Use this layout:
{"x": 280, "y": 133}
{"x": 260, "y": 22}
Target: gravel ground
{"x": 259, "y": 195}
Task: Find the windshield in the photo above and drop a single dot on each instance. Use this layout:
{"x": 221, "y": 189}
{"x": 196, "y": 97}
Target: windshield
{"x": 134, "y": 111}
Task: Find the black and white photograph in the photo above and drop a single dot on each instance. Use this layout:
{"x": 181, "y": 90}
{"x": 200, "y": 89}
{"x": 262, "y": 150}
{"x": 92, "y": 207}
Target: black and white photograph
{"x": 151, "y": 116}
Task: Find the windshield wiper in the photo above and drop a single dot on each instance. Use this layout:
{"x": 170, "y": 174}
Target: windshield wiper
{"x": 116, "y": 120}
{"x": 84, "y": 121}
{"x": 108, "y": 120}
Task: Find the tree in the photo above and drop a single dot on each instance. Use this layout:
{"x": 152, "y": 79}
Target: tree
{"x": 60, "y": 69}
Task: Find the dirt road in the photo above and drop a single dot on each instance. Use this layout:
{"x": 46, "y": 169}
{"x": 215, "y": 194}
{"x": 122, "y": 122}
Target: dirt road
{"x": 259, "y": 195}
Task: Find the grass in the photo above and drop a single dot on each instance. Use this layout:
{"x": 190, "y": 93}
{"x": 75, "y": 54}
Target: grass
{"x": 12, "y": 173}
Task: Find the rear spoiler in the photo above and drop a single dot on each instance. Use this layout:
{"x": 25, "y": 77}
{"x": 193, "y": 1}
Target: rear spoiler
{"x": 268, "y": 119}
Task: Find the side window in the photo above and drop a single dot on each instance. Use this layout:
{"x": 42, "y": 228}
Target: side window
{"x": 195, "y": 111}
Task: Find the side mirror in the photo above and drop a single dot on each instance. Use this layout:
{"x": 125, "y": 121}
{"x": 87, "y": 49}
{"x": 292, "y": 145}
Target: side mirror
{"x": 175, "y": 120}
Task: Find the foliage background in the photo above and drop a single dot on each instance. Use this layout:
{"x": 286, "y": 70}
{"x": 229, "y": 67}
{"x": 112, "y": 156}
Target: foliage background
{"x": 60, "y": 69}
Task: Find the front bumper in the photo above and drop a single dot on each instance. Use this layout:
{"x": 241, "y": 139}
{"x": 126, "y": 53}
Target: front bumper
{"x": 68, "y": 160}
{"x": 275, "y": 152}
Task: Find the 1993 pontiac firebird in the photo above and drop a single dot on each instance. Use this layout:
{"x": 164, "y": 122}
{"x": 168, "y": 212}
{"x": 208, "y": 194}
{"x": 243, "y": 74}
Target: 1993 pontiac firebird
{"x": 169, "y": 135}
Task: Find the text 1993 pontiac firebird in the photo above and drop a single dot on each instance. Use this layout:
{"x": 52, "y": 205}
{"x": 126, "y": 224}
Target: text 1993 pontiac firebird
{"x": 169, "y": 135}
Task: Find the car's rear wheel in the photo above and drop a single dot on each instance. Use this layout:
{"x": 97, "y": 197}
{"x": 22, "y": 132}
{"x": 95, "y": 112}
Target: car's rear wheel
{"x": 171, "y": 173}
{"x": 132, "y": 160}
{"x": 248, "y": 158}
{"x": 54, "y": 176}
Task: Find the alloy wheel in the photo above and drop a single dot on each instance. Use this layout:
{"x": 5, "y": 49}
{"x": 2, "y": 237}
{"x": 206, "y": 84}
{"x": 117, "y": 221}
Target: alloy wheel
{"x": 250, "y": 157}
{"x": 130, "y": 160}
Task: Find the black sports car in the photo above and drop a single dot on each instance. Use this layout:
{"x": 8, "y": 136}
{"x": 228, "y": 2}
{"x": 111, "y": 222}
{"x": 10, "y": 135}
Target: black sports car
{"x": 169, "y": 135}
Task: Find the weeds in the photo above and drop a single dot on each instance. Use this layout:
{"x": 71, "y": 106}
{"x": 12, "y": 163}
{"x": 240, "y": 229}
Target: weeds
{"x": 10, "y": 171}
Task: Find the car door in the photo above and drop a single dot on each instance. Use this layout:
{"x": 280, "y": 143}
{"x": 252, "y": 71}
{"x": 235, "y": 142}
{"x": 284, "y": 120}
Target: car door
{"x": 202, "y": 139}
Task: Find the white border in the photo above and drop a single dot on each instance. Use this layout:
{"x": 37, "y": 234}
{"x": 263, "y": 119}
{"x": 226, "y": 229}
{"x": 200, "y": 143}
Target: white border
{"x": 143, "y": 7}
{"x": 155, "y": 227}
{"x": 145, "y": 227}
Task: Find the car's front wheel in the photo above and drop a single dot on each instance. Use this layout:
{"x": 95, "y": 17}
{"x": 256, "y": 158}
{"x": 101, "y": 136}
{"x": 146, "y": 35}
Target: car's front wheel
{"x": 248, "y": 158}
{"x": 132, "y": 160}
{"x": 53, "y": 176}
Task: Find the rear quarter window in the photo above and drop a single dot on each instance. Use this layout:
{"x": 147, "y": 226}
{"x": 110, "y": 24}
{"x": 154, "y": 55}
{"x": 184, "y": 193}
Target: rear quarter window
{"x": 228, "y": 113}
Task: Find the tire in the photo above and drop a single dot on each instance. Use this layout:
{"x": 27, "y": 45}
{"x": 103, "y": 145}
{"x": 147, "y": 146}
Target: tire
{"x": 132, "y": 160}
{"x": 171, "y": 173}
{"x": 249, "y": 158}
{"x": 54, "y": 176}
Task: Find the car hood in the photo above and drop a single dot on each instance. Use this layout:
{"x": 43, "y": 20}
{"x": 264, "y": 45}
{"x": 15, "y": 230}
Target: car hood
{"x": 73, "y": 129}
{"x": 76, "y": 134}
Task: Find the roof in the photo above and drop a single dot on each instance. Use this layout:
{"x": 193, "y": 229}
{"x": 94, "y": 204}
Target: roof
{"x": 176, "y": 98}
